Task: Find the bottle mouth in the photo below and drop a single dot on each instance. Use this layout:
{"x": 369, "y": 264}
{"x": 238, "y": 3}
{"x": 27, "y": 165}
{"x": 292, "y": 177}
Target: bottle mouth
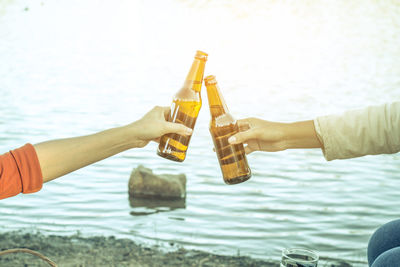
{"x": 210, "y": 79}
{"x": 201, "y": 55}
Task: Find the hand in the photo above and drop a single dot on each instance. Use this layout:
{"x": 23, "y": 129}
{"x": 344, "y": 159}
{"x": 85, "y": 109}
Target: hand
{"x": 275, "y": 136}
{"x": 260, "y": 135}
{"x": 154, "y": 124}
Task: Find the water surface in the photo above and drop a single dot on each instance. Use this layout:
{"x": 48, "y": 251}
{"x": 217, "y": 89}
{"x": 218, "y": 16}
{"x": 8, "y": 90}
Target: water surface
{"x": 76, "y": 67}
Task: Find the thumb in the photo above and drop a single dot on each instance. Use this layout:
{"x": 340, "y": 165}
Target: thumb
{"x": 242, "y": 137}
{"x": 177, "y": 128}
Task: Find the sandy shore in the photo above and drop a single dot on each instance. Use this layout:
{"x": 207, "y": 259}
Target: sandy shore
{"x": 102, "y": 251}
{"x": 108, "y": 251}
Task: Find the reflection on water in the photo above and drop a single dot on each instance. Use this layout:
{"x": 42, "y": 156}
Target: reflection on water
{"x": 73, "y": 69}
{"x": 146, "y": 206}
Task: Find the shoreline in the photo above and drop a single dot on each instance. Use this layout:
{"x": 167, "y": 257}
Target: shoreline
{"x": 104, "y": 251}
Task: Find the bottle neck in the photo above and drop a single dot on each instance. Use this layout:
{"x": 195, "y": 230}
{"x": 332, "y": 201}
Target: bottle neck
{"x": 194, "y": 79}
{"x": 215, "y": 101}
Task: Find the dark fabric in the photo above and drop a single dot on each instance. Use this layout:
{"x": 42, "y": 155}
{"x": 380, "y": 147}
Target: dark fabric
{"x": 384, "y": 246}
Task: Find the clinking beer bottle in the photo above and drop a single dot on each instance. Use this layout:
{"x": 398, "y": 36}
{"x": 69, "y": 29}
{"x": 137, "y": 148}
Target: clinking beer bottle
{"x": 232, "y": 158}
{"x": 184, "y": 109}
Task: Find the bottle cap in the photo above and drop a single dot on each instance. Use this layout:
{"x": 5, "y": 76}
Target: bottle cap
{"x": 210, "y": 79}
{"x": 201, "y": 55}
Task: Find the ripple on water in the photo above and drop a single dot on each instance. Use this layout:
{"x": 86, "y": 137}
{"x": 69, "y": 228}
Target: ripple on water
{"x": 303, "y": 62}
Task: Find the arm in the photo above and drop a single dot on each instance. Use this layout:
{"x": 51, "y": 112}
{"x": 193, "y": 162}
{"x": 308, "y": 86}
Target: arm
{"x": 355, "y": 133}
{"x": 261, "y": 135}
{"x": 370, "y": 131}
{"x": 27, "y": 168}
{"x": 59, "y": 157}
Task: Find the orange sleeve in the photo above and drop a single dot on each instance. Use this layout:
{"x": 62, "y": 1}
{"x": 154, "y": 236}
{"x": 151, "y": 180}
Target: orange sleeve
{"x": 20, "y": 172}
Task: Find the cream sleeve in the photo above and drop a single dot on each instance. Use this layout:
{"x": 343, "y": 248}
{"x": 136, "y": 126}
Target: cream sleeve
{"x": 370, "y": 131}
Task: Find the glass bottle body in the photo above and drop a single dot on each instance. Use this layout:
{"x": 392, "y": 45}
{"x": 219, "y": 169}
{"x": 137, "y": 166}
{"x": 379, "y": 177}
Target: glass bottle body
{"x": 184, "y": 109}
{"x": 232, "y": 158}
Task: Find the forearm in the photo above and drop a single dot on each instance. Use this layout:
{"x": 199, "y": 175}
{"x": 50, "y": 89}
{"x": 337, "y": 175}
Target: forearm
{"x": 300, "y": 134}
{"x": 59, "y": 157}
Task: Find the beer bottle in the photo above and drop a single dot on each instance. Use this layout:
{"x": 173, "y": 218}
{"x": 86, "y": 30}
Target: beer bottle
{"x": 184, "y": 109}
{"x": 232, "y": 158}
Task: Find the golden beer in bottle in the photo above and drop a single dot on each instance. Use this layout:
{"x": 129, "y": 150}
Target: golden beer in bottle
{"x": 232, "y": 158}
{"x": 184, "y": 109}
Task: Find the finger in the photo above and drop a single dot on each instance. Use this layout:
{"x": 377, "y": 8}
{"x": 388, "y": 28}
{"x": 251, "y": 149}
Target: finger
{"x": 248, "y": 150}
{"x": 244, "y": 125}
{"x": 241, "y": 137}
{"x": 167, "y": 112}
{"x": 178, "y": 128}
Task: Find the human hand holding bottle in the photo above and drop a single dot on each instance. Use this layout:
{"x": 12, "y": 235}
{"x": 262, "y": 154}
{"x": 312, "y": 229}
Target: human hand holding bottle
{"x": 262, "y": 135}
{"x": 153, "y": 125}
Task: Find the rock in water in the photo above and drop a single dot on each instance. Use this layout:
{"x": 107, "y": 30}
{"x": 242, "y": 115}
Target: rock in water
{"x": 144, "y": 184}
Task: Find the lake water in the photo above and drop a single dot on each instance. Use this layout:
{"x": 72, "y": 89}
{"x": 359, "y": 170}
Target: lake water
{"x": 70, "y": 68}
